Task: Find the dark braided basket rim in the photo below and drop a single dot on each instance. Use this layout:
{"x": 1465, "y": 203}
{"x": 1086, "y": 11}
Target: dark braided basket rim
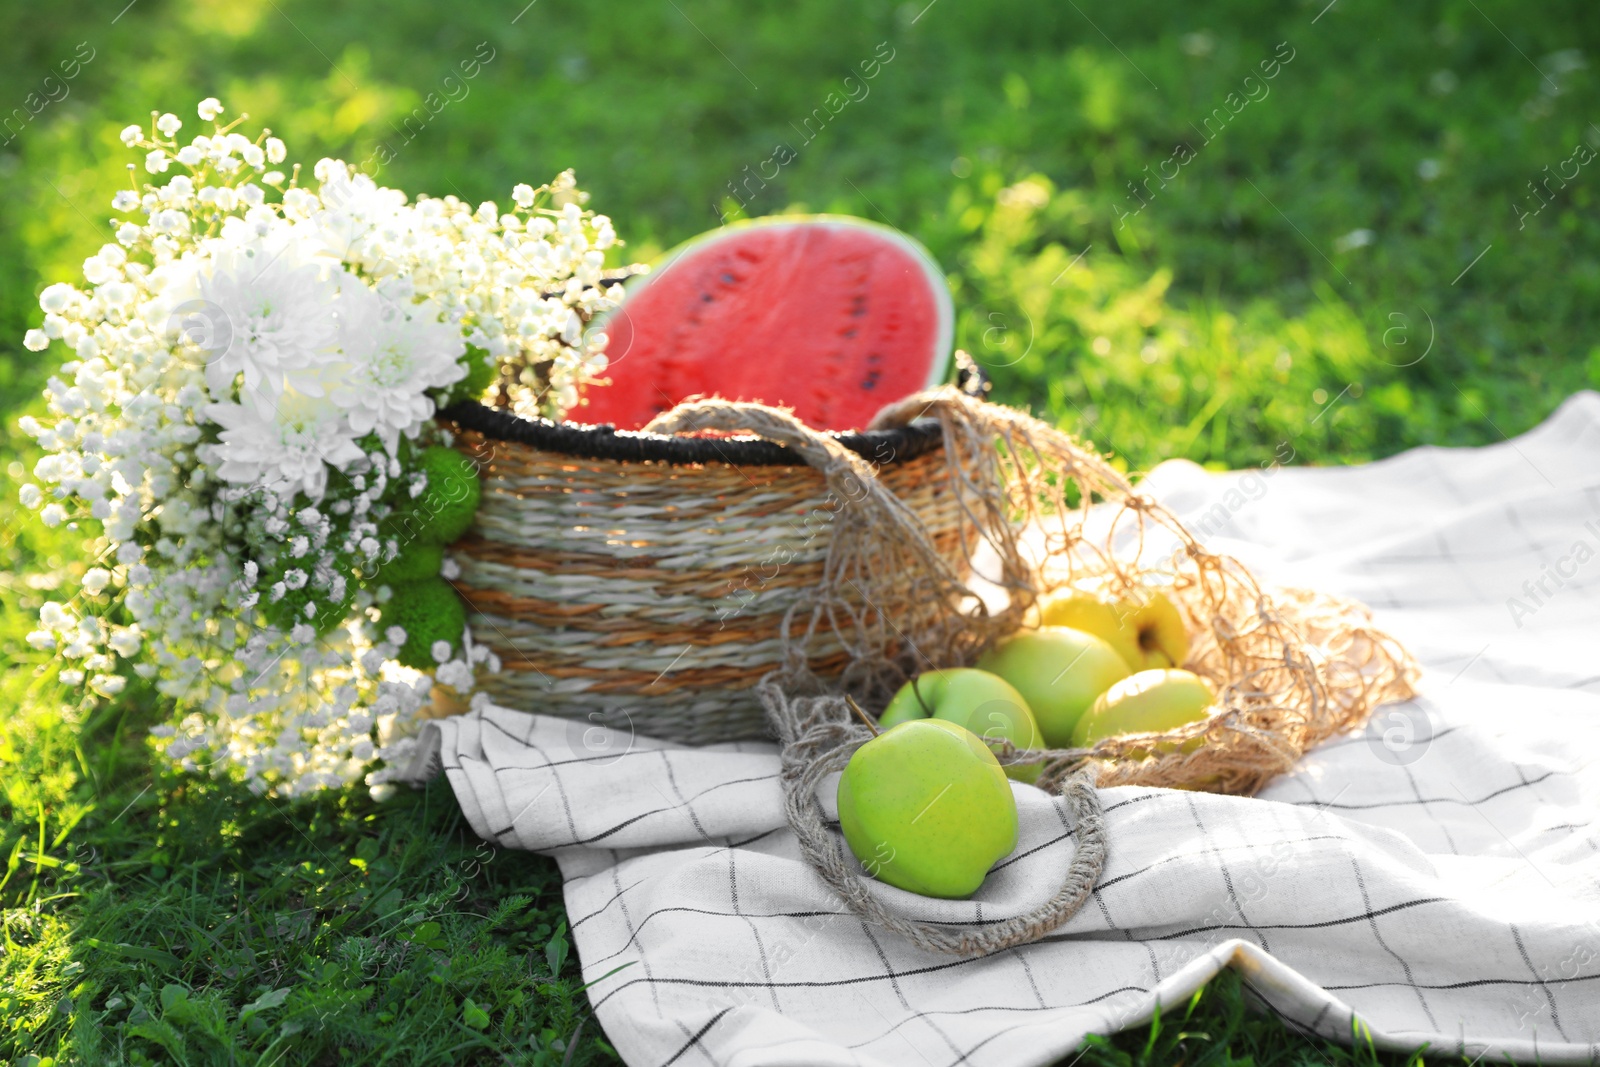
{"x": 609, "y": 443}
{"x": 605, "y": 441}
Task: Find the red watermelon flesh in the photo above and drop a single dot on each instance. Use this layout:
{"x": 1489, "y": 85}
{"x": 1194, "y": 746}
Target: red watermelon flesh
{"x": 831, "y": 317}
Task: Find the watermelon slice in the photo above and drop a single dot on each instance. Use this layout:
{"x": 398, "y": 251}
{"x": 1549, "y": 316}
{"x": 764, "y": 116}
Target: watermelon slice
{"x": 831, "y": 316}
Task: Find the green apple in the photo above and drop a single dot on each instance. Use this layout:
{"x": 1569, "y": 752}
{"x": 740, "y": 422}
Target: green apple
{"x": 925, "y": 807}
{"x": 1059, "y": 672}
{"x": 1105, "y": 619}
{"x": 1147, "y": 702}
{"x": 984, "y": 703}
{"x": 1144, "y": 627}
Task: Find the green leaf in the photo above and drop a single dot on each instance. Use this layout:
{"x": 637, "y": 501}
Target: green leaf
{"x": 603, "y": 977}
{"x": 265, "y": 1002}
{"x": 473, "y": 1015}
{"x": 389, "y": 903}
{"x": 133, "y": 952}
{"x": 163, "y": 1033}
{"x": 555, "y": 952}
{"x": 428, "y": 935}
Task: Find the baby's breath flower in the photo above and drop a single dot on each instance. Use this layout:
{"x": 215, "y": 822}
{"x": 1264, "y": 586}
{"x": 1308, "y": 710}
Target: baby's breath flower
{"x": 58, "y": 297}
{"x": 126, "y": 641}
{"x": 242, "y": 371}
{"x": 107, "y": 685}
{"x": 95, "y": 580}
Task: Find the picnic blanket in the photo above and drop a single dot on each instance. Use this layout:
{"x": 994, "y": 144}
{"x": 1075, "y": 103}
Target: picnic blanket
{"x": 1434, "y": 879}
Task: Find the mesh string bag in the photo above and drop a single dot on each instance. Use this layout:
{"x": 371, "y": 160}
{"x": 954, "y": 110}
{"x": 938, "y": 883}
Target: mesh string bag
{"x": 1291, "y": 667}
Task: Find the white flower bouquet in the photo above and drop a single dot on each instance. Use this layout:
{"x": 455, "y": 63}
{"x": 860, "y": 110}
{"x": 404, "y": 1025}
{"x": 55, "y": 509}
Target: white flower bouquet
{"x": 243, "y": 431}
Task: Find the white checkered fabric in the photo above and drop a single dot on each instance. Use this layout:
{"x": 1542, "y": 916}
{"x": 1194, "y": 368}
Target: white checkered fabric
{"x": 1434, "y": 880}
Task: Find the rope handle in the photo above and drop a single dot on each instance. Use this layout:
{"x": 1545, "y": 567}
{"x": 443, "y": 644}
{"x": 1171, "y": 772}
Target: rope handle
{"x": 848, "y": 475}
{"x": 819, "y": 737}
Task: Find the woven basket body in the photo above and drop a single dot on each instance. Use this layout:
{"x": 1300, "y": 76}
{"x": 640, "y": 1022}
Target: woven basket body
{"x": 652, "y": 595}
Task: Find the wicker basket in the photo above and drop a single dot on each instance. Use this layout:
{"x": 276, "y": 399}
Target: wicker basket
{"x": 649, "y": 582}
{"x": 641, "y": 581}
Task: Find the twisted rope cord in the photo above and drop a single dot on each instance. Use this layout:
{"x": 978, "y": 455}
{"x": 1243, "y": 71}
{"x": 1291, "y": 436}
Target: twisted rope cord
{"x": 819, "y": 737}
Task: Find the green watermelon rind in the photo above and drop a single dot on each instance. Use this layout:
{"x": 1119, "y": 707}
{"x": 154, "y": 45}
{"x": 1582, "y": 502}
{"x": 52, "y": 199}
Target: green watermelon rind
{"x": 944, "y": 339}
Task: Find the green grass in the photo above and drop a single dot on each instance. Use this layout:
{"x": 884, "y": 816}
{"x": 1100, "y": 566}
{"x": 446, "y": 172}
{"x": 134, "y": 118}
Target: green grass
{"x": 155, "y": 918}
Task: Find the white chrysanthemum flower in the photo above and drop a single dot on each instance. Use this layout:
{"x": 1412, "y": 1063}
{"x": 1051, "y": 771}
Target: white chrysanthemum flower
{"x": 284, "y": 450}
{"x": 264, "y": 310}
{"x": 393, "y": 355}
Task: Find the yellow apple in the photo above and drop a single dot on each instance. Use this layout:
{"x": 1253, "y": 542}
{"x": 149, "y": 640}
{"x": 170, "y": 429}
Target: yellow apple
{"x": 982, "y": 702}
{"x": 1160, "y": 627}
{"x": 1145, "y": 627}
{"x": 1147, "y": 702}
{"x": 1104, "y": 618}
{"x": 1059, "y": 672}
{"x": 1157, "y": 660}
